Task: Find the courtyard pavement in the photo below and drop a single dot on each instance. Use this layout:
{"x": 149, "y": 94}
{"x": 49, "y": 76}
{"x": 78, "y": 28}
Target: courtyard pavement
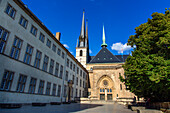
{"x": 71, "y": 108}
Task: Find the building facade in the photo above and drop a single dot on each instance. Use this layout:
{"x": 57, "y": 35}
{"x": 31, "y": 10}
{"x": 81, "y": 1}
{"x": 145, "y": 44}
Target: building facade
{"x": 104, "y": 70}
{"x": 34, "y": 65}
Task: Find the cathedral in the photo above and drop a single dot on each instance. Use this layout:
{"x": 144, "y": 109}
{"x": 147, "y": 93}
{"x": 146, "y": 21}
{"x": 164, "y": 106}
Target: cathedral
{"x": 104, "y": 69}
{"x": 37, "y": 68}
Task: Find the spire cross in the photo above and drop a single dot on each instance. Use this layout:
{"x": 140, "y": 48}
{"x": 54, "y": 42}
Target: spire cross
{"x": 104, "y": 43}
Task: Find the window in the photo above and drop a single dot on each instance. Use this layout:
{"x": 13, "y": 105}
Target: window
{"x": 23, "y": 22}
{"x": 67, "y": 62}
{"x": 81, "y": 73}
{"x": 80, "y": 82}
{"x": 73, "y": 79}
{"x": 7, "y": 80}
{"x": 100, "y": 90}
{"x": 91, "y": 69}
{"x": 76, "y": 92}
{"x": 45, "y": 64}
{"x": 65, "y": 91}
{"x": 56, "y": 69}
{"x": 77, "y": 80}
{"x": 48, "y": 43}
{"x": 63, "y": 55}
{"x": 10, "y": 11}
{"x": 32, "y": 85}
{"x": 66, "y": 79}
{"x": 21, "y": 83}
{"x": 54, "y": 90}
{"x": 59, "y": 90}
{"x": 83, "y": 84}
{"x": 81, "y": 53}
{"x": 79, "y": 93}
{"x": 54, "y": 48}
{"x": 77, "y": 70}
{"x": 41, "y": 87}
{"x": 42, "y": 37}
{"x": 3, "y": 38}
{"x": 61, "y": 71}
{"x": 84, "y": 76}
{"x": 51, "y": 66}
{"x": 48, "y": 87}
{"x": 15, "y": 51}
{"x": 58, "y": 51}
{"x": 37, "y": 59}
{"x": 110, "y": 90}
{"x": 83, "y": 94}
{"x": 33, "y": 30}
{"x": 71, "y": 65}
{"x": 74, "y": 67}
{"x": 28, "y": 54}
{"x": 120, "y": 86}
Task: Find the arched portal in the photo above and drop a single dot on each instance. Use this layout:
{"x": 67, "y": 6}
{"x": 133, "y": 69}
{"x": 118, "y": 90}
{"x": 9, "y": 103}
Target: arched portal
{"x": 105, "y": 87}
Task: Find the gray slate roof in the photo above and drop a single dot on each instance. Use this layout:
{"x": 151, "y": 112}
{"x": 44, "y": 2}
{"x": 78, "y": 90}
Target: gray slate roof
{"x": 105, "y": 56}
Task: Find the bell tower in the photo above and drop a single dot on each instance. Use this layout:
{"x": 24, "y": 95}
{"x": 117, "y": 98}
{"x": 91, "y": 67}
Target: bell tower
{"x": 82, "y": 48}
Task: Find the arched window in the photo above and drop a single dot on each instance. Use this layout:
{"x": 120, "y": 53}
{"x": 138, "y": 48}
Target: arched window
{"x": 81, "y": 53}
{"x": 100, "y": 90}
{"x": 110, "y": 90}
{"x": 107, "y": 90}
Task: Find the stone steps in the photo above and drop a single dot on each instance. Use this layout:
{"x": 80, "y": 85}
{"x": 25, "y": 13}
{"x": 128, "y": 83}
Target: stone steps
{"x": 98, "y": 102}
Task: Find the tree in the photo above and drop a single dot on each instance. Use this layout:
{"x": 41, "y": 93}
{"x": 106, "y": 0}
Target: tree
{"x": 147, "y": 70}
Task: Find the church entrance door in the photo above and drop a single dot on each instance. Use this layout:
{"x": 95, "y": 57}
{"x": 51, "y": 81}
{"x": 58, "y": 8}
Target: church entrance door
{"x": 109, "y": 96}
{"x": 102, "y": 96}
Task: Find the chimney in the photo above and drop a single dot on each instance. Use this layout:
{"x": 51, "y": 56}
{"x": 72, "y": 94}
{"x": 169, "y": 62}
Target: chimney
{"x": 58, "y": 34}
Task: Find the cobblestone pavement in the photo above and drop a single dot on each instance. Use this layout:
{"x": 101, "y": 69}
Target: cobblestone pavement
{"x": 71, "y": 108}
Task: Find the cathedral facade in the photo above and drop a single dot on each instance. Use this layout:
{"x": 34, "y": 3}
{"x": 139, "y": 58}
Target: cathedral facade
{"x": 104, "y": 69}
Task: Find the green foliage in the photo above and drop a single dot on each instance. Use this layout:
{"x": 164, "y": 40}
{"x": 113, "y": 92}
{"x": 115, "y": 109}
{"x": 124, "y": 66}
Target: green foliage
{"x": 147, "y": 71}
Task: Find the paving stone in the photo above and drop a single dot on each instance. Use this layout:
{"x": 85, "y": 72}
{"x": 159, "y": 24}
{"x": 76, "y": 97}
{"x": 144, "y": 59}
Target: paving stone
{"x": 71, "y": 108}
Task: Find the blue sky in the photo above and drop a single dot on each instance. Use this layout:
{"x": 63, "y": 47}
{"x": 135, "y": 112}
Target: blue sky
{"x": 120, "y": 17}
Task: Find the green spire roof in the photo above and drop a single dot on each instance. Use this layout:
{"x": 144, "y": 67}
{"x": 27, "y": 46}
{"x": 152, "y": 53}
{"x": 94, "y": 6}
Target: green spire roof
{"x": 104, "y": 44}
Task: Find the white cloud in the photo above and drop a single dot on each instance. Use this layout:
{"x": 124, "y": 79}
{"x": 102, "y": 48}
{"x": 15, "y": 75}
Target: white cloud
{"x": 66, "y": 46}
{"x": 90, "y": 51}
{"x": 120, "y": 47}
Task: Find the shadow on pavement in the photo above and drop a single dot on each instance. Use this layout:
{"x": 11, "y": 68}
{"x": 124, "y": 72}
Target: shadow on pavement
{"x": 78, "y": 107}
{"x": 63, "y": 108}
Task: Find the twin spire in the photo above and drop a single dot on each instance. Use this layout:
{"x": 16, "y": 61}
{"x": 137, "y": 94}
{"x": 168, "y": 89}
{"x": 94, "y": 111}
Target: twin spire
{"x": 83, "y": 38}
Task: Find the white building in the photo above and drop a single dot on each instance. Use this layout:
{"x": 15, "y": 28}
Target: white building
{"x": 34, "y": 65}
